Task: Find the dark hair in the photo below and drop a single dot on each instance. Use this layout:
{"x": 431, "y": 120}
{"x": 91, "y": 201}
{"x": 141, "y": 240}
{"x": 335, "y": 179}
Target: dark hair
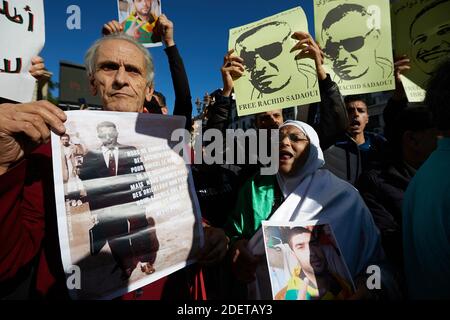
{"x": 294, "y": 231}
{"x": 353, "y": 98}
{"x": 437, "y": 98}
{"x": 423, "y": 11}
{"x": 65, "y": 135}
{"x": 341, "y": 11}
{"x": 256, "y": 29}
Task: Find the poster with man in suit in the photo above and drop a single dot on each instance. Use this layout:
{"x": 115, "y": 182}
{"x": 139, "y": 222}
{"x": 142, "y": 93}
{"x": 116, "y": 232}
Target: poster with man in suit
{"x": 140, "y": 220}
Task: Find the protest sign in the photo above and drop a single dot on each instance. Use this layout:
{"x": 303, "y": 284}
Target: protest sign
{"x": 23, "y": 35}
{"x": 139, "y": 20}
{"x": 305, "y": 262}
{"x": 126, "y": 205}
{"x": 356, "y": 39}
{"x": 273, "y": 79}
{"x": 421, "y": 32}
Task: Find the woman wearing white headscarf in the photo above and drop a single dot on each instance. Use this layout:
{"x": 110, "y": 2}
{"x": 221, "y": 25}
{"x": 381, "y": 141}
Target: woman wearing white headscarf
{"x": 301, "y": 191}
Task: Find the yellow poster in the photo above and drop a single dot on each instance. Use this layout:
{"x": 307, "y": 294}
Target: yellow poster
{"x": 273, "y": 79}
{"x": 355, "y": 36}
{"x": 422, "y": 32}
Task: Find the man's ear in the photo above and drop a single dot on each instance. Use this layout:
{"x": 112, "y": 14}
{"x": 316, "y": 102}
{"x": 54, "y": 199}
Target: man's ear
{"x": 92, "y": 86}
{"x": 149, "y": 92}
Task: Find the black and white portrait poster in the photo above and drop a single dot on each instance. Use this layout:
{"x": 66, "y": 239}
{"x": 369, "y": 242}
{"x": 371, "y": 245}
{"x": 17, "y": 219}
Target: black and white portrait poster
{"x": 355, "y": 36}
{"x": 273, "y": 77}
{"x": 421, "y": 30}
{"x": 127, "y": 209}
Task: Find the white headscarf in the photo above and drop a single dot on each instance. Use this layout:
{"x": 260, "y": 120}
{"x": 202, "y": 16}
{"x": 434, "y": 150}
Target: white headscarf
{"x": 315, "y": 194}
{"x": 314, "y": 162}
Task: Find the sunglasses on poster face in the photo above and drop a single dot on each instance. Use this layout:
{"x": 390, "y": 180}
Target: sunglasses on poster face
{"x": 267, "y": 53}
{"x": 332, "y": 49}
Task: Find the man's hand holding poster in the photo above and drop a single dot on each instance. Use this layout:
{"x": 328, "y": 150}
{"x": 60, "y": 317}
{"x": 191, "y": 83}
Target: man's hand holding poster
{"x": 355, "y": 36}
{"x": 127, "y": 209}
{"x": 24, "y": 20}
{"x": 274, "y": 78}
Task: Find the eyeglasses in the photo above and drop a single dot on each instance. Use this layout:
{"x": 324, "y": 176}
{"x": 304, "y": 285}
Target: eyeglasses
{"x": 332, "y": 49}
{"x": 293, "y": 137}
{"x": 267, "y": 53}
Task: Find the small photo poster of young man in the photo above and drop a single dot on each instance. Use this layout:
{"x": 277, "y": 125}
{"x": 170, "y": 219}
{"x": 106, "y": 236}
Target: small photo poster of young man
{"x": 305, "y": 262}
{"x": 139, "y": 18}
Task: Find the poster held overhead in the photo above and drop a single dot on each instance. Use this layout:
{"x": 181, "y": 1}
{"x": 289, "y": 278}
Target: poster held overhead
{"x": 139, "y": 18}
{"x": 273, "y": 78}
{"x": 24, "y": 20}
{"x": 422, "y": 32}
{"x": 356, "y": 39}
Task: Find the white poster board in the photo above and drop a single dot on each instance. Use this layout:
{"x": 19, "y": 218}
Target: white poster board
{"x": 22, "y": 25}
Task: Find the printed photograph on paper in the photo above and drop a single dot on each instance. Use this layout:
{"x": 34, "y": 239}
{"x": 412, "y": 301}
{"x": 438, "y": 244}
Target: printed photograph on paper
{"x": 139, "y": 17}
{"x": 305, "y": 262}
{"x": 127, "y": 210}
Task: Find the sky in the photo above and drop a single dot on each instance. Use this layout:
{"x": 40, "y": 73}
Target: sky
{"x": 200, "y": 31}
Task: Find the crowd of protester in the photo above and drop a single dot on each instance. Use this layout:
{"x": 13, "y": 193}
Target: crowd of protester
{"x": 386, "y": 196}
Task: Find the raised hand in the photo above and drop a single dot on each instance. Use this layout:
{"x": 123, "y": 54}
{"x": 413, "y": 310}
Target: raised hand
{"x": 232, "y": 69}
{"x": 112, "y": 27}
{"x": 37, "y": 68}
{"x": 164, "y": 28}
{"x": 309, "y": 49}
{"x": 401, "y": 65}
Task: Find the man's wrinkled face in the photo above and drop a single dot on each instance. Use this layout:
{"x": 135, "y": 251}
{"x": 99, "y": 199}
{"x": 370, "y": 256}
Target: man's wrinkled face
{"x": 430, "y": 38}
{"x": 309, "y": 254}
{"x": 108, "y": 136}
{"x": 143, "y": 7}
{"x": 120, "y": 77}
{"x": 262, "y": 53}
{"x": 351, "y": 46}
{"x": 269, "y": 120}
{"x": 358, "y": 117}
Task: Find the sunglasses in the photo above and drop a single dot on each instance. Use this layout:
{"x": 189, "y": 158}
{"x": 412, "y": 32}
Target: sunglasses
{"x": 332, "y": 49}
{"x": 267, "y": 53}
